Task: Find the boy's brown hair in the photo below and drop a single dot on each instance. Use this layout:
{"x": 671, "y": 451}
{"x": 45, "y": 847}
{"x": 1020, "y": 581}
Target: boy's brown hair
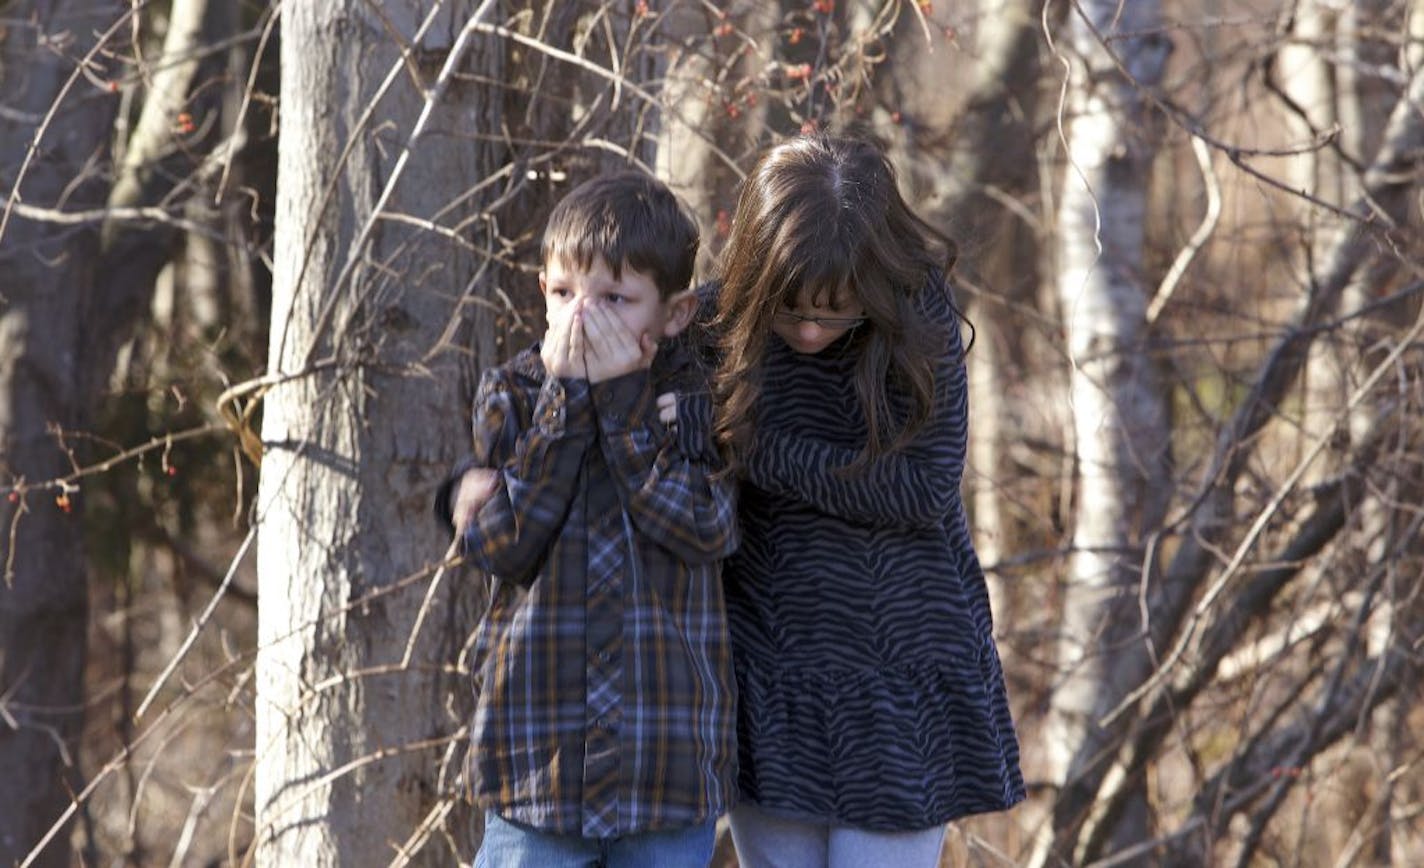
{"x": 629, "y": 219}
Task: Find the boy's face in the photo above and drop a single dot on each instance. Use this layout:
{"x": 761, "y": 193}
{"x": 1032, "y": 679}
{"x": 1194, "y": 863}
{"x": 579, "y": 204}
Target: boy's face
{"x": 632, "y": 298}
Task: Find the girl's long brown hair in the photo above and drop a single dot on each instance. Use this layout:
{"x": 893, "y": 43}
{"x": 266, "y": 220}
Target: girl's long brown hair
{"x": 823, "y": 215}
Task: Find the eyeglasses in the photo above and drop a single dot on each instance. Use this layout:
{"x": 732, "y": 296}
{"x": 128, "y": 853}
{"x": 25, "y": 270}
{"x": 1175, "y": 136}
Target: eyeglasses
{"x": 791, "y": 317}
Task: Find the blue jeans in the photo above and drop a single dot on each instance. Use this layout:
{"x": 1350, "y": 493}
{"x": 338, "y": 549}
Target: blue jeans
{"x": 507, "y": 844}
{"x": 768, "y": 840}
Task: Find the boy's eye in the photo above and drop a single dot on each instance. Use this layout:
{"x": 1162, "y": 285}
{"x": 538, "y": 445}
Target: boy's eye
{"x": 615, "y": 298}
{"x": 558, "y": 292}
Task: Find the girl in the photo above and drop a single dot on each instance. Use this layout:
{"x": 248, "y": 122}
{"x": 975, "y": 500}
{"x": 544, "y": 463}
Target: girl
{"x": 872, "y": 703}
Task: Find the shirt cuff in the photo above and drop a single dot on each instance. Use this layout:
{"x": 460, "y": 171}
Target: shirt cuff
{"x": 444, "y": 506}
{"x": 563, "y": 407}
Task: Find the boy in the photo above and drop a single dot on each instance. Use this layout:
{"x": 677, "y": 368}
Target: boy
{"x": 605, "y": 720}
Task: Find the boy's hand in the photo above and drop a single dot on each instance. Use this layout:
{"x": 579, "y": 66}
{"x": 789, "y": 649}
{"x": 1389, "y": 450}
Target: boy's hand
{"x": 613, "y": 350}
{"x": 667, "y": 409}
{"x": 471, "y": 492}
{"x": 563, "y": 347}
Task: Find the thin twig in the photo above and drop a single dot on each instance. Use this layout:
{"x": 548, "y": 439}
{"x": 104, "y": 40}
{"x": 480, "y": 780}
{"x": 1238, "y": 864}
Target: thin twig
{"x": 451, "y": 556}
{"x": 198, "y": 625}
{"x": 1199, "y": 238}
{"x": 13, "y": 199}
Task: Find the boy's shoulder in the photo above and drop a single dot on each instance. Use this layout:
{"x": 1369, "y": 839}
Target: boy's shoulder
{"x": 524, "y": 371}
{"x": 680, "y": 366}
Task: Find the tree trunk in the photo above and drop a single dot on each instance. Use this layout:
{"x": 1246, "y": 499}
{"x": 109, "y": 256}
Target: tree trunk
{"x": 48, "y": 278}
{"x": 1119, "y": 415}
{"x": 994, "y": 152}
{"x": 1306, "y": 82}
{"x": 1214, "y": 524}
{"x": 366, "y": 421}
{"x": 715, "y": 108}
{"x": 1364, "y": 102}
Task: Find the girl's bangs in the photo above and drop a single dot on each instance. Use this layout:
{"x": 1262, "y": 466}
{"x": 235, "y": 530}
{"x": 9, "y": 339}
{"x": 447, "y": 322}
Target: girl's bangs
{"x": 821, "y": 277}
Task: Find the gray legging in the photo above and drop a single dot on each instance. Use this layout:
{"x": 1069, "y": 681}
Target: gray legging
{"x": 768, "y": 840}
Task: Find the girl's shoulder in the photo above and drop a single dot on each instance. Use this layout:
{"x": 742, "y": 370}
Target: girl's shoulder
{"x": 707, "y": 294}
{"x": 941, "y": 313}
{"x": 701, "y": 337}
{"x": 936, "y": 298}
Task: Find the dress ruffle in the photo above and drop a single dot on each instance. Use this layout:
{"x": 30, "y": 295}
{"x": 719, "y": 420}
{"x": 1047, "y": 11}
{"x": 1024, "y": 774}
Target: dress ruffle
{"x": 891, "y": 749}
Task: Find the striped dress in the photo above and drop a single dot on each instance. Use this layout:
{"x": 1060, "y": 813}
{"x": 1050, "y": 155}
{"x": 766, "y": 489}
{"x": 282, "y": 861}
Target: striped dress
{"x": 870, "y": 689}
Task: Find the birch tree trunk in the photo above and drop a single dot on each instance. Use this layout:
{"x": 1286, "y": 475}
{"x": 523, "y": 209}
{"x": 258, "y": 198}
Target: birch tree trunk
{"x": 369, "y": 270}
{"x": 48, "y": 280}
{"x": 1306, "y": 80}
{"x": 1363, "y": 104}
{"x": 1214, "y": 524}
{"x": 1119, "y": 414}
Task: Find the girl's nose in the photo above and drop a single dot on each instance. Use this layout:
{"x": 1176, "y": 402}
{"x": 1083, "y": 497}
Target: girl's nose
{"x": 808, "y": 331}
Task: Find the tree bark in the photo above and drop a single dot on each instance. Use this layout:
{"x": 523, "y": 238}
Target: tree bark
{"x": 716, "y": 107}
{"x": 48, "y": 277}
{"x": 367, "y": 422}
{"x": 993, "y": 159}
{"x": 1305, "y": 80}
{"x": 1119, "y": 413}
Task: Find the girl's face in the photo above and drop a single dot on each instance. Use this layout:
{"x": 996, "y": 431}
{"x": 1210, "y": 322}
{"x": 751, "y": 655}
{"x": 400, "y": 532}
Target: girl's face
{"x": 814, "y": 321}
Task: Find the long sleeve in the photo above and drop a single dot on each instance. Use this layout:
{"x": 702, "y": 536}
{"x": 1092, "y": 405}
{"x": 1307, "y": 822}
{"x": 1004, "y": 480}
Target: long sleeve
{"x": 538, "y": 473}
{"x": 915, "y": 486}
{"x": 667, "y": 480}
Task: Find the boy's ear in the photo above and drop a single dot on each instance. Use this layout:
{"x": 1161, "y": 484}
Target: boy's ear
{"x": 543, "y": 285}
{"x": 680, "y": 308}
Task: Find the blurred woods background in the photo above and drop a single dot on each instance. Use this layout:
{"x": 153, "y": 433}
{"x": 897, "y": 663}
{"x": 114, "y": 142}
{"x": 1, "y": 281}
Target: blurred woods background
{"x": 253, "y": 256}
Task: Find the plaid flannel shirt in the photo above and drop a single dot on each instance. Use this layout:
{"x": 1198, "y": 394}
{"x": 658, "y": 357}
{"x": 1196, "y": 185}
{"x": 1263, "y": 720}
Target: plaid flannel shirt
{"x": 606, "y": 701}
